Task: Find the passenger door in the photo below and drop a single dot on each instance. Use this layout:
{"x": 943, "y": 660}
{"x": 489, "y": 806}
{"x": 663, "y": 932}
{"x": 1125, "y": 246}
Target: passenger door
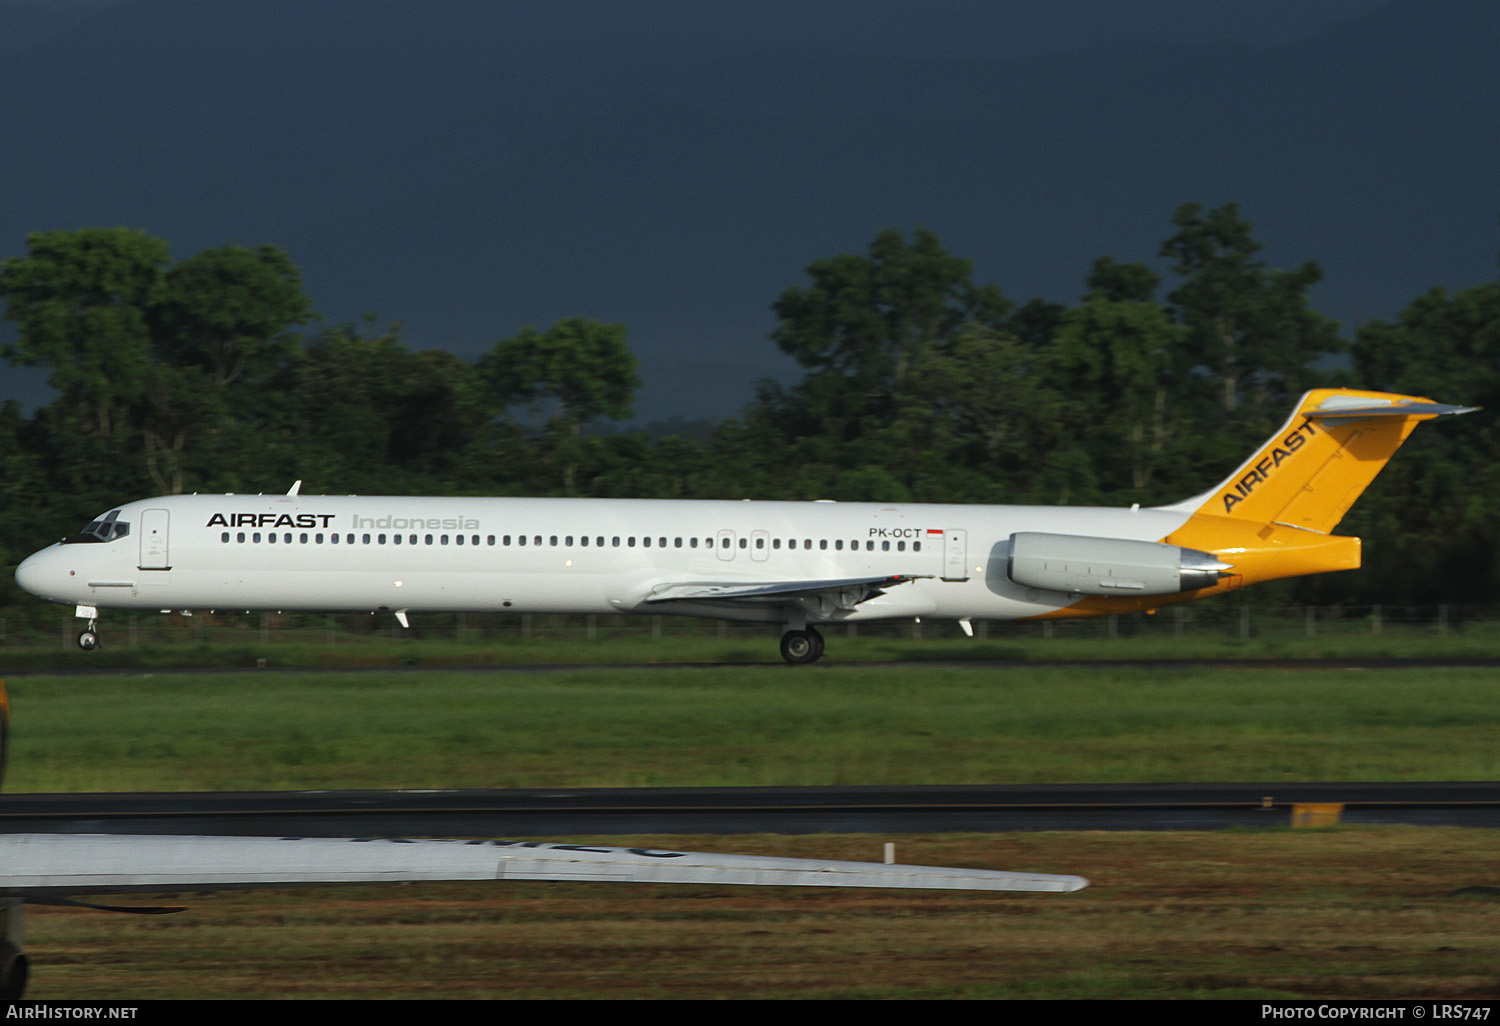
{"x": 955, "y": 555}
{"x": 154, "y": 552}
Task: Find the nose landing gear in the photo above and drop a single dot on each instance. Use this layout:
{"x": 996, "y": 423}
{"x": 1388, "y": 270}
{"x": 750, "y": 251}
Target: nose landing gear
{"x": 88, "y": 640}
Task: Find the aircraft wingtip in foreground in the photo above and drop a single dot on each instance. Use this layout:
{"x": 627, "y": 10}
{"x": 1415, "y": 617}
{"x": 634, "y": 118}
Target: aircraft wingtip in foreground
{"x": 48, "y": 869}
{"x": 800, "y": 564}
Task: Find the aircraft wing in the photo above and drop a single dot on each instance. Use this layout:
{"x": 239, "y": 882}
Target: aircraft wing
{"x": 867, "y": 587}
{"x": 36, "y": 867}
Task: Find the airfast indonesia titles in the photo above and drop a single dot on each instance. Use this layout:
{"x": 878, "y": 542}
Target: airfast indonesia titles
{"x": 324, "y": 521}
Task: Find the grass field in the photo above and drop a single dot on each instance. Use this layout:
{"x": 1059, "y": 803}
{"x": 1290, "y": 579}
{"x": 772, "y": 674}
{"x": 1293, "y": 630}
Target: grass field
{"x": 753, "y": 726}
{"x": 1353, "y": 912}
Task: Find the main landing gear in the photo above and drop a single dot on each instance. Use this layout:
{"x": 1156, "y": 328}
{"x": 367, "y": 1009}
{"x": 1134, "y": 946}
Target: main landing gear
{"x": 804, "y": 646}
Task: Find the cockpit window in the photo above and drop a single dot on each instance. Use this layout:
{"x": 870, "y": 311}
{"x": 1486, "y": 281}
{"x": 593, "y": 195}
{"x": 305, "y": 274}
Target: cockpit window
{"x": 105, "y": 529}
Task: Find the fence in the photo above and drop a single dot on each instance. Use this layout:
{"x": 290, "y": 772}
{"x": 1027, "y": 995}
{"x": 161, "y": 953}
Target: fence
{"x": 52, "y": 629}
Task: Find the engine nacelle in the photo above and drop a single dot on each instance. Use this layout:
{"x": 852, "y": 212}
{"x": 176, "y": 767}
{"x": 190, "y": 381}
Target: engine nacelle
{"x": 1086, "y": 565}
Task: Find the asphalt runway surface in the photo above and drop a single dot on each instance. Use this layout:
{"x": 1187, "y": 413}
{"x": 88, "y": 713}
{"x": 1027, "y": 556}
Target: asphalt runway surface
{"x": 737, "y": 810}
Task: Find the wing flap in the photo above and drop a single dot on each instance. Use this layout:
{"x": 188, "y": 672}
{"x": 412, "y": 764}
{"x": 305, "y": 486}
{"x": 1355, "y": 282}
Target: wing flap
{"x": 698, "y": 592}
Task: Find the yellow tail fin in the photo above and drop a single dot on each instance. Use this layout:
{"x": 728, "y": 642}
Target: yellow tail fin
{"x": 1309, "y": 473}
{"x": 1273, "y": 516}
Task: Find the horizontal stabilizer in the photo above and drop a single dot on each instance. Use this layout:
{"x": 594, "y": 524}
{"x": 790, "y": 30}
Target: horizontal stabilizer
{"x": 1358, "y": 409}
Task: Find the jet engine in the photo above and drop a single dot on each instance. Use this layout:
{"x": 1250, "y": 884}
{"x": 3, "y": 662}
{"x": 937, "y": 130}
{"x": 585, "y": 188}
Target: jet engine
{"x": 1109, "y": 566}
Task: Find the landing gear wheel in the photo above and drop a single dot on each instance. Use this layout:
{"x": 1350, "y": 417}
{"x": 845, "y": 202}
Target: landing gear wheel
{"x": 798, "y": 647}
{"x": 88, "y": 640}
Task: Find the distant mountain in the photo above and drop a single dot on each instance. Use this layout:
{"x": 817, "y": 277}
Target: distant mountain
{"x": 468, "y": 167}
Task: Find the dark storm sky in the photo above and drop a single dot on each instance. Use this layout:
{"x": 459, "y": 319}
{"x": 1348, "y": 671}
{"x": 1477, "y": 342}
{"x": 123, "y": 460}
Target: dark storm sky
{"x": 468, "y": 167}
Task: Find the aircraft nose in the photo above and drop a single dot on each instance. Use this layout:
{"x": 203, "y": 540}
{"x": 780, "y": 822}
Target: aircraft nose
{"x": 33, "y": 574}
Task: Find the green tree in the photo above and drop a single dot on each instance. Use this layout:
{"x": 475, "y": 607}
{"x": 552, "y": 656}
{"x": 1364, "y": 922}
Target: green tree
{"x": 1000, "y": 417}
{"x": 362, "y": 412}
{"x": 1247, "y": 325}
{"x": 1122, "y": 283}
{"x": 872, "y": 330}
{"x": 1433, "y": 507}
{"x": 866, "y": 319}
{"x": 578, "y": 371}
{"x": 81, "y": 301}
{"x": 1123, "y": 355}
{"x": 146, "y": 357}
{"x": 229, "y": 310}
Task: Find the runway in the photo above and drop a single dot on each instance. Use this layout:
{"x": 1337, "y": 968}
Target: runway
{"x": 780, "y": 810}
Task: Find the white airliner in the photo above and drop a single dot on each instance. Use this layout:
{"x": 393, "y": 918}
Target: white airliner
{"x": 799, "y": 564}
{"x": 47, "y": 869}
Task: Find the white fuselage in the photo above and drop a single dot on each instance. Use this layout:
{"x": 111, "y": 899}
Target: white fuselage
{"x": 358, "y": 553}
